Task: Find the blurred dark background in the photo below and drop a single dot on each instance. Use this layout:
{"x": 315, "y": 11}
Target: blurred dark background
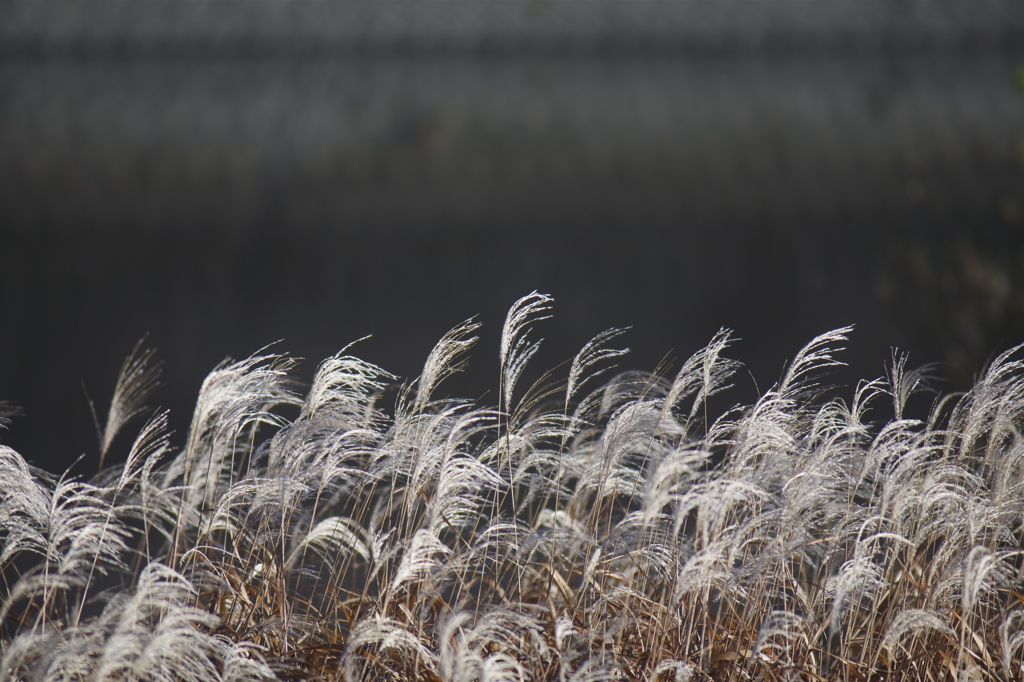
{"x": 222, "y": 175}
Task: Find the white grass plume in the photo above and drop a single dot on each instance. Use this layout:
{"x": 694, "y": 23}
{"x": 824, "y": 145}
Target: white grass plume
{"x": 136, "y": 381}
{"x": 585, "y": 532}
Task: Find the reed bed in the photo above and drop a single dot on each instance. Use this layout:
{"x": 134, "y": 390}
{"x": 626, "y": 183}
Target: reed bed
{"x": 592, "y": 526}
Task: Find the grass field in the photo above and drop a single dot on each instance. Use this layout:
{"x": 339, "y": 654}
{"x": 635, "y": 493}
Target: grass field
{"x": 596, "y": 525}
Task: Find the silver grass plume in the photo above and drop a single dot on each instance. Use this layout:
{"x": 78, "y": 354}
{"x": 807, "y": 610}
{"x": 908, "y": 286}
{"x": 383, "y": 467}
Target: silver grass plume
{"x": 589, "y": 531}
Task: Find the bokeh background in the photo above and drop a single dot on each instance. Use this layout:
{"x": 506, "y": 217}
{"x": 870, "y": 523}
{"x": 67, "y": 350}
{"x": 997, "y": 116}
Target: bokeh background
{"x": 221, "y": 175}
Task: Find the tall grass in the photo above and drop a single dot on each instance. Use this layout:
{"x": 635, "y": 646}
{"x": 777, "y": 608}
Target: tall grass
{"x": 579, "y": 531}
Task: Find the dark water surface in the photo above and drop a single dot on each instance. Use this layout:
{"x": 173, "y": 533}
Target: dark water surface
{"x": 221, "y": 200}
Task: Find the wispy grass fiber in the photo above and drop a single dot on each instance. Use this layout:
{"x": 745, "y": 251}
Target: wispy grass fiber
{"x": 579, "y": 530}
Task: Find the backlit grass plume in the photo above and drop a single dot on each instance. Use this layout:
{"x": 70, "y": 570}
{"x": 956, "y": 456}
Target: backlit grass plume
{"x": 580, "y": 530}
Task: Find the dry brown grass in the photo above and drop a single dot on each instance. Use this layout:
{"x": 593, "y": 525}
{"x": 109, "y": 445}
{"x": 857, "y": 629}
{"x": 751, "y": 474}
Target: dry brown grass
{"x": 578, "y": 531}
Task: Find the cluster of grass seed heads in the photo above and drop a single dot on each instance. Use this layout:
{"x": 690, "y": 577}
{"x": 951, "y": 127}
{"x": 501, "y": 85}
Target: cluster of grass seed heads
{"x": 579, "y": 531}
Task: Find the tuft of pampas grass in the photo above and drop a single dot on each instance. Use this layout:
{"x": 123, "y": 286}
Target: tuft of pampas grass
{"x": 578, "y": 531}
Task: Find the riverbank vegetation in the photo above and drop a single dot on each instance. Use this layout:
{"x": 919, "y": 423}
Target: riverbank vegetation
{"x": 596, "y": 525}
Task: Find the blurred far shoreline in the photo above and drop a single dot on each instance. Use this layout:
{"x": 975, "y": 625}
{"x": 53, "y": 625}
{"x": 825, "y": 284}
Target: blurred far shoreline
{"x": 220, "y": 176}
